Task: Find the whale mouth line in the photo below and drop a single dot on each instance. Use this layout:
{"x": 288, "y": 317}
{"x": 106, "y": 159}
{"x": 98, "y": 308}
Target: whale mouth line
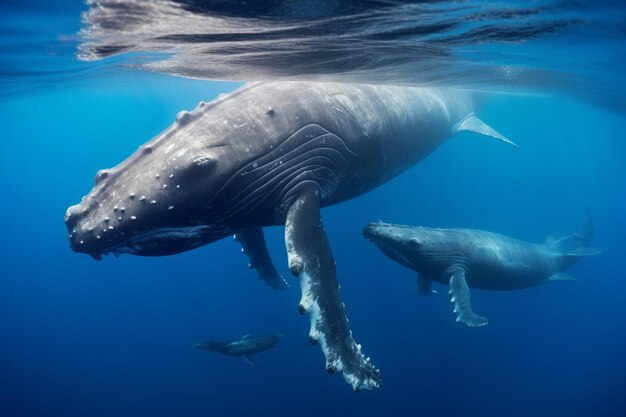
{"x": 137, "y": 244}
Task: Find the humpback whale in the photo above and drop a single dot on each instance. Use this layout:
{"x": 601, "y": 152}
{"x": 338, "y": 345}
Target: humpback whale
{"x": 466, "y": 258}
{"x": 244, "y": 347}
{"x": 269, "y": 154}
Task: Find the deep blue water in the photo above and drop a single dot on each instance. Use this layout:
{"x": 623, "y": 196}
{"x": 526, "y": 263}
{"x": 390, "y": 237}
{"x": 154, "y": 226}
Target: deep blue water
{"x": 114, "y": 338}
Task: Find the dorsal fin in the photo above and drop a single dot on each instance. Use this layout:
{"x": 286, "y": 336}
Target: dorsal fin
{"x": 473, "y": 124}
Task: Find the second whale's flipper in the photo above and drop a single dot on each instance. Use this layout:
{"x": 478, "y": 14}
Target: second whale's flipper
{"x": 311, "y": 260}
{"x": 460, "y": 297}
{"x": 424, "y": 285}
{"x": 253, "y": 245}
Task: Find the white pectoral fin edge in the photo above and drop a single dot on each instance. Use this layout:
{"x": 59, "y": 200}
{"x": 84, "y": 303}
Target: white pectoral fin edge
{"x": 473, "y": 124}
{"x": 310, "y": 259}
{"x": 460, "y": 297}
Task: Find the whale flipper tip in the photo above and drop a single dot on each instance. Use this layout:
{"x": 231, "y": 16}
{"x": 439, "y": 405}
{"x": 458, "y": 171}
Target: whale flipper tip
{"x": 308, "y": 247}
{"x": 460, "y": 297}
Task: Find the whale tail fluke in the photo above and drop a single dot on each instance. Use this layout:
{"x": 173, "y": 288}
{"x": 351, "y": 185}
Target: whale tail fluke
{"x": 586, "y": 233}
{"x": 573, "y": 246}
{"x": 573, "y": 243}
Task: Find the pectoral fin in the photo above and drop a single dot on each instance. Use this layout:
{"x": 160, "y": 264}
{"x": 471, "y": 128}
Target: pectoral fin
{"x": 248, "y": 359}
{"x": 424, "y": 285}
{"x": 460, "y": 297}
{"x": 560, "y": 276}
{"x": 311, "y": 260}
{"x": 474, "y": 124}
{"x": 253, "y": 245}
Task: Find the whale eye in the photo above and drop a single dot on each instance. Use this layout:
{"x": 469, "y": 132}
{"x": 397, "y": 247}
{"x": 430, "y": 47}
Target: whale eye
{"x": 203, "y": 161}
{"x": 101, "y": 175}
{"x": 198, "y": 166}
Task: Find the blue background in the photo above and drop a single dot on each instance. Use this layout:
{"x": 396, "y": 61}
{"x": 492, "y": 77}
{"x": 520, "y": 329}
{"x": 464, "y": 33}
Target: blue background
{"x": 81, "y": 337}
{"x": 114, "y": 338}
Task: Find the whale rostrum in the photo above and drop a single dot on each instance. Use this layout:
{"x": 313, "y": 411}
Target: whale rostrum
{"x": 272, "y": 154}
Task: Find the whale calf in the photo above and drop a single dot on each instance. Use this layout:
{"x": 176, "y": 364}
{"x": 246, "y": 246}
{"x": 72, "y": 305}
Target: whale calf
{"x": 271, "y": 154}
{"x": 244, "y": 347}
{"x": 466, "y": 258}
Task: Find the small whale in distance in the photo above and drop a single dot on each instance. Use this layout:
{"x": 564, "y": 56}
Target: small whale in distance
{"x": 244, "y": 347}
{"x": 466, "y": 258}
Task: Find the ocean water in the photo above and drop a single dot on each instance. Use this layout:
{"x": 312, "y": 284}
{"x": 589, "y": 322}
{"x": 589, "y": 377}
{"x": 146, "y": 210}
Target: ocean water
{"x": 114, "y": 338}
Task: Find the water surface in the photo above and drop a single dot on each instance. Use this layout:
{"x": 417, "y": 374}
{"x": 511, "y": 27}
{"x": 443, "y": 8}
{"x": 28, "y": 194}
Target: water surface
{"x": 115, "y": 337}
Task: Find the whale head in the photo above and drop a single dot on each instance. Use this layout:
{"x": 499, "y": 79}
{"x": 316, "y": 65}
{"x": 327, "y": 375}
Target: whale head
{"x": 159, "y": 201}
{"x": 211, "y": 346}
{"x": 400, "y": 243}
{"x": 423, "y": 249}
